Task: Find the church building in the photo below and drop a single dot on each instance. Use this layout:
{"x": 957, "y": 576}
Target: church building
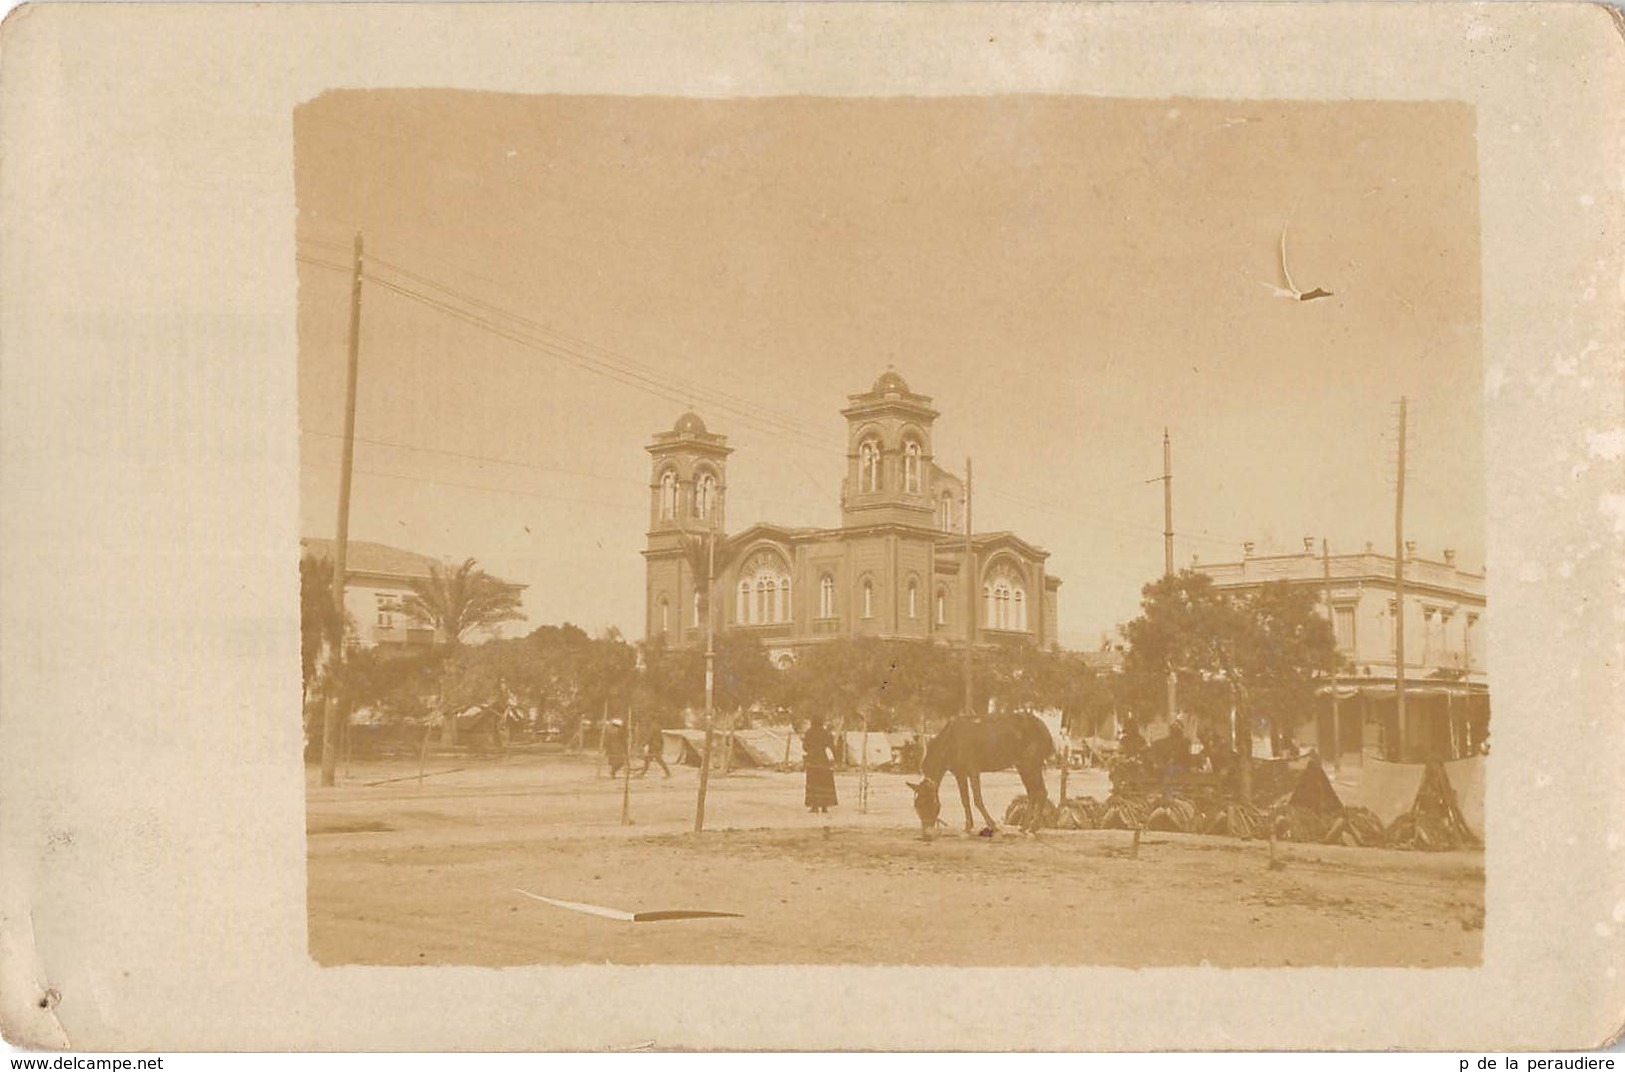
{"x": 895, "y": 568}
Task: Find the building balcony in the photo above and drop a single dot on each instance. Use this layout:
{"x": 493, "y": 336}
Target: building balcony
{"x": 409, "y": 636}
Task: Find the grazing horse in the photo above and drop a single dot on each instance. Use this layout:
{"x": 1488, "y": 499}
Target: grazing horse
{"x": 967, "y": 747}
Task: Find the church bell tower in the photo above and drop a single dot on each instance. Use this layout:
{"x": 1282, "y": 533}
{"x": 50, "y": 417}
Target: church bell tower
{"x": 687, "y": 498}
{"x": 889, "y": 469}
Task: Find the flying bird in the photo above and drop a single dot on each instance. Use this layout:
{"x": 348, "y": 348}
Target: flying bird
{"x": 1291, "y": 291}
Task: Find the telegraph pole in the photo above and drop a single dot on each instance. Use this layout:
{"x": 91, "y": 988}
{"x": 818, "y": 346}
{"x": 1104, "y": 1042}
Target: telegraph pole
{"x": 970, "y": 588}
{"x": 341, "y": 541}
{"x": 1399, "y": 585}
{"x": 1167, "y": 505}
{"x": 1331, "y": 620}
{"x": 1168, "y": 550}
{"x": 710, "y": 679}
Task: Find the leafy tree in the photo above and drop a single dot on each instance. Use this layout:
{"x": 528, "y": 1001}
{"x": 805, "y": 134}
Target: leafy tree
{"x": 899, "y": 683}
{"x": 457, "y": 600}
{"x": 400, "y": 685}
{"x": 321, "y": 632}
{"x": 320, "y": 624}
{"x": 673, "y": 680}
{"x": 1262, "y": 652}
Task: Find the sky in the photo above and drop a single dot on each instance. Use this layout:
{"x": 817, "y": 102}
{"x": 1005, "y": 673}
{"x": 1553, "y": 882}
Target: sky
{"x": 1064, "y": 276}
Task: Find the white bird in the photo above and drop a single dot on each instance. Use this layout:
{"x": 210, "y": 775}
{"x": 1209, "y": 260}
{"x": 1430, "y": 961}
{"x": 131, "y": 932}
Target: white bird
{"x": 1291, "y": 291}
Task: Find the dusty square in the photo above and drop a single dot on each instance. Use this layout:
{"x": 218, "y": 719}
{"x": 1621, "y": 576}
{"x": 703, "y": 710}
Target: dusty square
{"x": 405, "y": 875}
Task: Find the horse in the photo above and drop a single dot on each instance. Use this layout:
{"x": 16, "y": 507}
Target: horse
{"x": 967, "y": 747}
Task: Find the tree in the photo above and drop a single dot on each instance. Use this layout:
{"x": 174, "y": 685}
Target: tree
{"x": 900, "y": 683}
{"x": 321, "y": 632}
{"x": 455, "y": 601}
{"x": 1261, "y": 652}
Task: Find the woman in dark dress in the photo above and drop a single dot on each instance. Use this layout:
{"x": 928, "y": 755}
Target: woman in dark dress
{"x": 819, "y": 747}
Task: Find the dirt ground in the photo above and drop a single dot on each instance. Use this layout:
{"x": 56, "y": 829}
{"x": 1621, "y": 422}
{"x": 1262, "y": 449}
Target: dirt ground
{"x": 400, "y": 874}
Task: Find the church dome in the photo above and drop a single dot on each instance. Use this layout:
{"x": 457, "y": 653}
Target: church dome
{"x": 889, "y": 381}
{"x": 689, "y": 424}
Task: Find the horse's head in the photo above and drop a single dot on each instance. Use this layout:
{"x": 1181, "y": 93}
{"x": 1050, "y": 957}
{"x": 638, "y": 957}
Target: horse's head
{"x": 927, "y": 804}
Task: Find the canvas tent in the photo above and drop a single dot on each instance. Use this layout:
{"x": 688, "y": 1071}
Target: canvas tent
{"x": 1389, "y": 789}
{"x": 683, "y": 746}
{"x": 767, "y": 746}
{"x": 1467, "y": 779}
{"x": 879, "y": 747}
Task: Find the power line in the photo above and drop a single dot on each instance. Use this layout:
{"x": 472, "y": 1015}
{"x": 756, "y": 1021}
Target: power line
{"x": 322, "y": 264}
{"x": 629, "y": 373}
{"x": 480, "y": 458}
{"x": 597, "y": 356}
{"x": 604, "y": 352}
{"x": 630, "y": 378}
{"x": 487, "y": 487}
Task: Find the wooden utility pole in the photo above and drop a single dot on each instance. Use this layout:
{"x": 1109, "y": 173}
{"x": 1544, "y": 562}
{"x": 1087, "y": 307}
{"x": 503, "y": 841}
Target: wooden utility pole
{"x": 1168, "y": 550}
{"x": 1399, "y": 587}
{"x": 1167, "y": 505}
{"x": 341, "y": 541}
{"x": 710, "y": 680}
{"x": 863, "y": 768}
{"x": 970, "y": 601}
{"x": 626, "y": 775}
{"x": 1331, "y": 620}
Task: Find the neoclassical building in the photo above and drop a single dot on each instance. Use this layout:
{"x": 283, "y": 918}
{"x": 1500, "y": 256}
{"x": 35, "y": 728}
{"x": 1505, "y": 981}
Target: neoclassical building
{"x": 896, "y": 567}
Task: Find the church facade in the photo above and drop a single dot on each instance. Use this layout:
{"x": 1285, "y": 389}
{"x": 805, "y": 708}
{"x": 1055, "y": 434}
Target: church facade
{"x": 897, "y": 567}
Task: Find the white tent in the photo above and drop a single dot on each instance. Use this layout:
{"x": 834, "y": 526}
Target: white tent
{"x": 767, "y": 746}
{"x": 682, "y": 746}
{"x": 879, "y": 748}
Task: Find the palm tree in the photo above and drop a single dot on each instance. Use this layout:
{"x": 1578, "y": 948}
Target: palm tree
{"x": 455, "y": 601}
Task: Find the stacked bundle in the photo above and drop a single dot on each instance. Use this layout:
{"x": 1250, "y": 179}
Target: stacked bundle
{"x": 1357, "y": 827}
{"x": 1124, "y": 813}
{"x": 1173, "y": 814}
{"x": 1434, "y": 822}
{"x": 1080, "y": 813}
{"x": 1237, "y": 820}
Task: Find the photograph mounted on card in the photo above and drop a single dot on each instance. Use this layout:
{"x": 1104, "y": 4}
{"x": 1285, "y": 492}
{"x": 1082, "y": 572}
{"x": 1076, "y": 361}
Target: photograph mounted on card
{"x": 778, "y": 524}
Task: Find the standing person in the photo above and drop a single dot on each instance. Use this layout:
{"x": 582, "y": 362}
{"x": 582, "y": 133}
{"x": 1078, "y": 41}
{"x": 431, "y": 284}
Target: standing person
{"x": 819, "y": 747}
{"x": 653, "y": 742}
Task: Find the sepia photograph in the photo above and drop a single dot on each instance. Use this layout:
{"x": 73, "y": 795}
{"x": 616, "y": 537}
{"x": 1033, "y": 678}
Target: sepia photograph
{"x": 865, "y": 527}
{"x": 1004, "y": 531}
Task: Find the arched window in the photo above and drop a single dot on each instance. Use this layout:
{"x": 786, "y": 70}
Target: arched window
{"x": 668, "y": 495}
{"x": 947, "y": 512}
{"x": 1006, "y": 599}
{"x": 913, "y": 599}
{"x": 826, "y": 596}
{"x": 705, "y": 494}
{"x": 764, "y": 589}
{"x": 696, "y": 608}
{"x": 868, "y": 599}
{"x": 665, "y": 615}
{"x": 911, "y": 467}
{"x": 869, "y": 465}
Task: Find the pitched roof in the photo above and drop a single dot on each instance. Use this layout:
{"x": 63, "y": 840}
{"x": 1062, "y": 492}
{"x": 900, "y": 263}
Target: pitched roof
{"x": 362, "y": 556}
